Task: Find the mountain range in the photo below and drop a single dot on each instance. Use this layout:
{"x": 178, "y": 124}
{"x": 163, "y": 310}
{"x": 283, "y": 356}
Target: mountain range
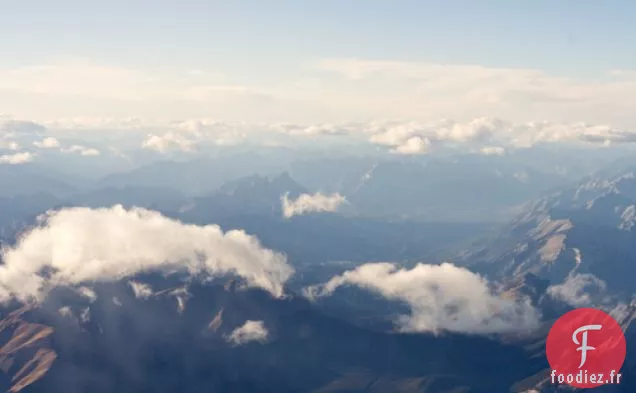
{"x": 569, "y": 248}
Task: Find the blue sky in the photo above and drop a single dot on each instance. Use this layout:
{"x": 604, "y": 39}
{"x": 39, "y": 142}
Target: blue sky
{"x": 273, "y": 52}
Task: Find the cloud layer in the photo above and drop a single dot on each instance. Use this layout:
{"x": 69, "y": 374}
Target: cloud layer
{"x": 311, "y": 203}
{"x": 441, "y": 297}
{"x": 77, "y": 245}
{"x": 329, "y": 89}
{"x": 490, "y": 136}
{"x": 483, "y": 135}
{"x": 250, "y": 331}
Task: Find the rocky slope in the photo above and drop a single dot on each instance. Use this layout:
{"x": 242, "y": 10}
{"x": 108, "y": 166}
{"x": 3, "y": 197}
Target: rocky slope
{"x": 121, "y": 337}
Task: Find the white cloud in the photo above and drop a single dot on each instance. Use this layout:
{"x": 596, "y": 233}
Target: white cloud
{"x": 444, "y": 297}
{"x": 100, "y": 123}
{"x": 310, "y": 203}
{"x": 250, "y": 331}
{"x": 82, "y": 150}
{"x": 168, "y": 141}
{"x": 489, "y": 135}
{"x": 413, "y": 145}
{"x": 77, "y": 245}
{"x": 85, "y": 315}
{"x": 216, "y": 132}
{"x": 492, "y": 150}
{"x": 17, "y": 158}
{"x": 47, "y": 143}
{"x": 87, "y": 293}
{"x": 482, "y": 135}
{"x": 140, "y": 289}
{"x": 578, "y": 290}
{"x": 624, "y": 313}
{"x": 65, "y": 312}
{"x": 319, "y": 129}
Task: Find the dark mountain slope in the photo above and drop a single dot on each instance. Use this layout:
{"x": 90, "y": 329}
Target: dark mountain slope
{"x": 134, "y": 345}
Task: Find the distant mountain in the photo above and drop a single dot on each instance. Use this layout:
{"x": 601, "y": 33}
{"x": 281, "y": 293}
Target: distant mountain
{"x": 583, "y": 230}
{"x": 251, "y": 195}
{"x": 27, "y": 179}
{"x": 253, "y": 204}
{"x": 19, "y": 212}
{"x": 16, "y": 213}
{"x": 460, "y": 189}
{"x": 155, "y": 198}
{"x": 195, "y": 177}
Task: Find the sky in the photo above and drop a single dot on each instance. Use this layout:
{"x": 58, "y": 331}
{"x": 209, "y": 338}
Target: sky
{"x": 319, "y": 61}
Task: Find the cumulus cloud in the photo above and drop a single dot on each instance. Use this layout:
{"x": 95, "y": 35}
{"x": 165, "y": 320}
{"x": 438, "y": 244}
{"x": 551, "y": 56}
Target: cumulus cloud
{"x": 17, "y": 158}
{"x": 311, "y": 203}
{"x": 250, "y": 331}
{"x": 413, "y": 145}
{"x": 77, "y": 245}
{"x": 82, "y": 150}
{"x": 168, "y": 141}
{"x": 441, "y": 297}
{"x": 578, "y": 290}
{"x": 47, "y": 143}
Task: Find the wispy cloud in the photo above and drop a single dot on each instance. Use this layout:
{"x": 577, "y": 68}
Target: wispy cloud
{"x": 81, "y": 150}
{"x": 490, "y": 135}
{"x": 578, "y": 290}
{"x": 250, "y": 331}
{"x": 492, "y": 150}
{"x": 425, "y": 91}
{"x": 328, "y": 90}
{"x": 140, "y": 289}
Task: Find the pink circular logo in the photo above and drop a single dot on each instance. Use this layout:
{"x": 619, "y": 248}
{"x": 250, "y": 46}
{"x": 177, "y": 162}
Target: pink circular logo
{"x": 586, "y": 349}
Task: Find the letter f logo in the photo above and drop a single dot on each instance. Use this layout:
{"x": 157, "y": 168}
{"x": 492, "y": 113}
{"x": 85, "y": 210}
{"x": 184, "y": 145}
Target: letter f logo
{"x": 572, "y": 331}
{"x": 584, "y": 347}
